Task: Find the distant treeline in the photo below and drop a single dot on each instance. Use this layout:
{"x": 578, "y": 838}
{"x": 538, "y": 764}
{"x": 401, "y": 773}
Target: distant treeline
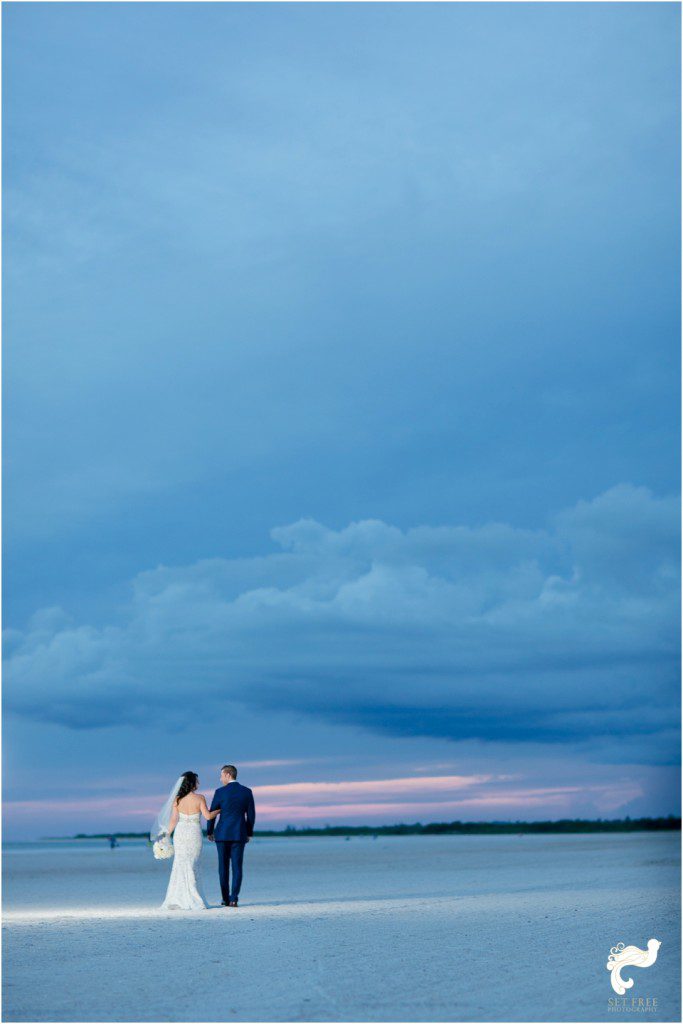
{"x": 669, "y": 823}
{"x": 485, "y": 827}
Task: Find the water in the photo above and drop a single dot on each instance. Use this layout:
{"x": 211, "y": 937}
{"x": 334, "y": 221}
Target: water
{"x": 55, "y": 846}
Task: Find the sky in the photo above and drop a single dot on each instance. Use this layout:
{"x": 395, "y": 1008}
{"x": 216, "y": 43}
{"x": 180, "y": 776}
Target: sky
{"x": 341, "y": 377}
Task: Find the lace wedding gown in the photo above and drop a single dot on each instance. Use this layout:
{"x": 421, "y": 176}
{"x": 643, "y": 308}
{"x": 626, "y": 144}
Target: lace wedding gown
{"x": 185, "y": 886}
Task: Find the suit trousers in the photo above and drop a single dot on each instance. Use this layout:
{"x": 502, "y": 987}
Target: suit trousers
{"x": 230, "y": 854}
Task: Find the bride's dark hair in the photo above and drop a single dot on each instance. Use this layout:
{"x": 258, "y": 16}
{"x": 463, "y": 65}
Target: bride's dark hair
{"x": 188, "y": 785}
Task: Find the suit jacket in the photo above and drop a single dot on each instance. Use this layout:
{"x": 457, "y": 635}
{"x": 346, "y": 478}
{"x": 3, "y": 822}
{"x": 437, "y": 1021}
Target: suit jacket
{"x": 236, "y": 820}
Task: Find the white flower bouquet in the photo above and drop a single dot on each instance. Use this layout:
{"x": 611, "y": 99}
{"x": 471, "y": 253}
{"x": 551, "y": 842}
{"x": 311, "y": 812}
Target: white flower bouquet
{"x": 163, "y": 848}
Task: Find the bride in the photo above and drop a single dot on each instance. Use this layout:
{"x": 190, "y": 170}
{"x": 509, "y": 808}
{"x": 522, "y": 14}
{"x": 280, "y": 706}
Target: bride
{"x": 181, "y": 814}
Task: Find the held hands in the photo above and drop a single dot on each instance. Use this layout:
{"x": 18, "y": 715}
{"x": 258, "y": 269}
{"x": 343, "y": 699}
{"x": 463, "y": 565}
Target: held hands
{"x": 211, "y": 838}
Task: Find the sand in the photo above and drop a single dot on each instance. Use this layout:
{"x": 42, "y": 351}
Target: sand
{"x": 413, "y": 928}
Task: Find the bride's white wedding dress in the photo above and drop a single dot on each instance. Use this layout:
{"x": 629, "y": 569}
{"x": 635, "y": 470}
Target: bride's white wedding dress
{"x": 185, "y": 885}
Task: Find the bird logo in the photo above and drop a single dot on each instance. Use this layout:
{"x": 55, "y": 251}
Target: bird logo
{"x": 621, "y": 956}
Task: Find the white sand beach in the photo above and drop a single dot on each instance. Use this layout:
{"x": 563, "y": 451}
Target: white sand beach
{"x": 414, "y": 928}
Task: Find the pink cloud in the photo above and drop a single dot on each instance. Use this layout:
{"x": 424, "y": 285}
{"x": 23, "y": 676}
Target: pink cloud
{"x": 379, "y": 798}
{"x": 350, "y": 788}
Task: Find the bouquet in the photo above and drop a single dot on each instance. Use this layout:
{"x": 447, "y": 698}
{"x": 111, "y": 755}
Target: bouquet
{"x": 163, "y": 848}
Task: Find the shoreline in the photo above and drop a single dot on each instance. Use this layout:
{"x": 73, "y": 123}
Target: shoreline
{"x": 561, "y": 826}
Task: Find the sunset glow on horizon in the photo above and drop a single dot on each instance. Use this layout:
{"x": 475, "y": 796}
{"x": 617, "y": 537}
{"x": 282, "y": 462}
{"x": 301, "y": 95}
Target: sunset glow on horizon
{"x": 316, "y": 803}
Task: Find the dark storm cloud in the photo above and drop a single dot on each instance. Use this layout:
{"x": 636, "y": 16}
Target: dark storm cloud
{"x": 490, "y": 632}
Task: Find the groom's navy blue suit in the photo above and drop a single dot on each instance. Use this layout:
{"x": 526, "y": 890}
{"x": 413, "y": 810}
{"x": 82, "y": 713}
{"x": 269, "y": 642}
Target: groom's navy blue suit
{"x": 235, "y": 826}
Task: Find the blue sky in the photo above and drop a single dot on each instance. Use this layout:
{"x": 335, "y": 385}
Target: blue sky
{"x": 341, "y": 408}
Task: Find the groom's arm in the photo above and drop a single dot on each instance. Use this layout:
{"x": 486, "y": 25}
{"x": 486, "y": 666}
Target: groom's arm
{"x": 251, "y": 814}
{"x": 214, "y": 807}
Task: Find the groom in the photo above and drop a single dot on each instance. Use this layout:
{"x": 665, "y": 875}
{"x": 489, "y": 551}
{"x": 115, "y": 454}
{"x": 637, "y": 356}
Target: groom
{"x": 234, "y": 829}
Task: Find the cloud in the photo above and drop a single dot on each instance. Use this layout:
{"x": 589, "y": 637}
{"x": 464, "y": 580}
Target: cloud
{"x": 555, "y": 635}
{"x": 405, "y": 798}
{"x": 279, "y": 265}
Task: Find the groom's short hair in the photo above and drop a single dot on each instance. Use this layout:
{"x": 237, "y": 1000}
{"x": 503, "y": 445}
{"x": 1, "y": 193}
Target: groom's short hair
{"x": 230, "y": 769}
